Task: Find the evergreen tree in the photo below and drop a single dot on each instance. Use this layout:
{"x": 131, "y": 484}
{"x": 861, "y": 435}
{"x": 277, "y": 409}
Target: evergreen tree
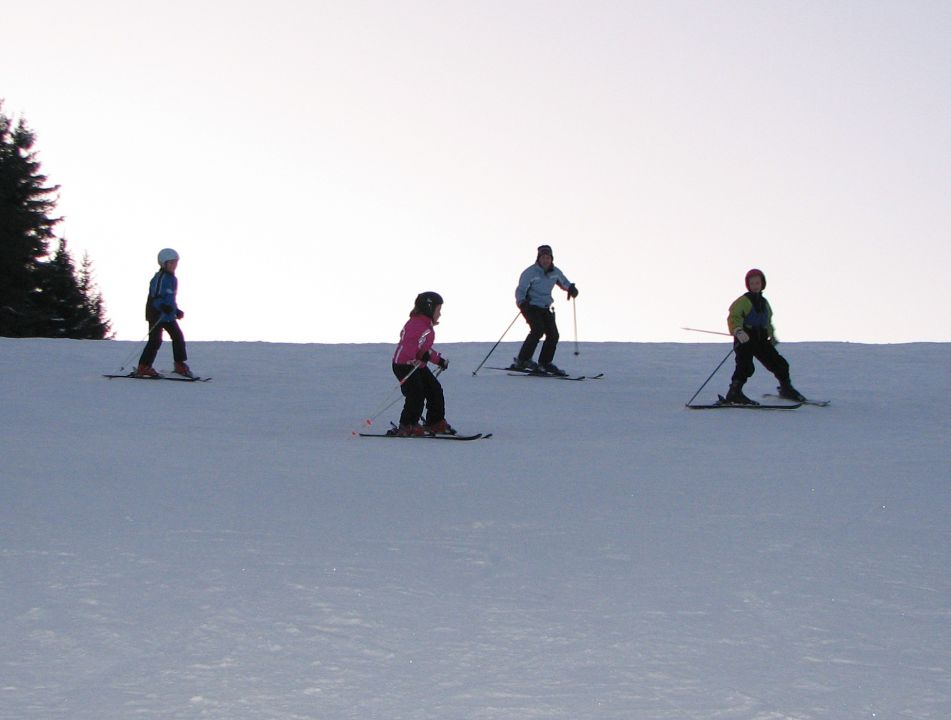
{"x": 94, "y": 325}
{"x": 60, "y": 303}
{"x": 38, "y": 297}
{"x": 25, "y": 227}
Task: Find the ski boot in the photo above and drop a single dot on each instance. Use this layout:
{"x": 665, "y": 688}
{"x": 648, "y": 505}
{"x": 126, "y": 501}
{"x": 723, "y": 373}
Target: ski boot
{"x": 788, "y": 392}
{"x": 182, "y": 369}
{"x": 552, "y": 369}
{"x": 527, "y": 365}
{"x": 439, "y": 428}
{"x": 735, "y": 396}
{"x": 146, "y": 371}
{"x": 407, "y": 430}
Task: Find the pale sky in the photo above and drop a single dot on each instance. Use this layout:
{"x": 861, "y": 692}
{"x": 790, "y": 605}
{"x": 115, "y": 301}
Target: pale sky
{"x": 317, "y": 164}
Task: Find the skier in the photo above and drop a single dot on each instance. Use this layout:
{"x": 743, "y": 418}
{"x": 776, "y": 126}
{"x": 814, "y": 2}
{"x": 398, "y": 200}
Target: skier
{"x": 751, "y": 324}
{"x": 418, "y": 384}
{"x": 163, "y": 314}
{"x": 533, "y": 297}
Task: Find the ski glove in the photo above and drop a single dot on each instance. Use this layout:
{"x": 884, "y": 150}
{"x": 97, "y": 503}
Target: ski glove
{"x": 572, "y": 291}
{"x": 167, "y": 309}
{"x": 443, "y": 363}
{"x": 741, "y": 335}
{"x": 179, "y": 314}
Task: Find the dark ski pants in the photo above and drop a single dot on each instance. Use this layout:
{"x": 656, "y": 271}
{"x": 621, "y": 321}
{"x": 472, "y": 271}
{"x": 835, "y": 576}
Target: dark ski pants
{"x": 421, "y": 389}
{"x": 155, "y": 342}
{"x": 541, "y": 321}
{"x": 763, "y": 351}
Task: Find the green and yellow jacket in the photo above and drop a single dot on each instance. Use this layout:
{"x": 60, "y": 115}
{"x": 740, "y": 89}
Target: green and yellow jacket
{"x": 751, "y": 311}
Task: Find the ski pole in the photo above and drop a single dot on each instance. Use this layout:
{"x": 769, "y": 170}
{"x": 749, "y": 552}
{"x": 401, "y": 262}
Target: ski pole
{"x": 711, "y": 376}
{"x": 574, "y": 310}
{"x": 390, "y": 399}
{"x": 132, "y": 354}
{"x": 497, "y": 344}
{"x": 709, "y": 332}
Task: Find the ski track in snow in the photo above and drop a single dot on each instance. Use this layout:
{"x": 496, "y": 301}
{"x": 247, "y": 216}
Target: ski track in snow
{"x": 229, "y": 550}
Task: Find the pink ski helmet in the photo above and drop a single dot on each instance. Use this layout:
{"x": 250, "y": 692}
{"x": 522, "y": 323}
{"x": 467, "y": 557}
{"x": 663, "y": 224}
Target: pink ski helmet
{"x": 751, "y": 273}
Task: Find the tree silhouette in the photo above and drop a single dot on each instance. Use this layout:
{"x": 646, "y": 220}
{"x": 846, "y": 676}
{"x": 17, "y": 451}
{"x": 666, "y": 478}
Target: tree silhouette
{"x": 39, "y": 296}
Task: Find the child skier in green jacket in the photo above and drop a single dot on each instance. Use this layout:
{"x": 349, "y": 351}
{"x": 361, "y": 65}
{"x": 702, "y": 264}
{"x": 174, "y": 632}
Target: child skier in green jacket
{"x": 751, "y": 324}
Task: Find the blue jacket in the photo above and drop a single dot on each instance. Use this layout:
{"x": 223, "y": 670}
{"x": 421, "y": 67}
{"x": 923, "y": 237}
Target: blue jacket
{"x": 162, "y": 290}
{"x": 535, "y": 285}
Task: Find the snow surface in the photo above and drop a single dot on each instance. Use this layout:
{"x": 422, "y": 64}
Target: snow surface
{"x": 229, "y": 549}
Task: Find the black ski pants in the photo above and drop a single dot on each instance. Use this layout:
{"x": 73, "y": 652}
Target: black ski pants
{"x": 764, "y": 351}
{"x": 421, "y": 389}
{"x": 541, "y": 321}
{"x": 155, "y": 342}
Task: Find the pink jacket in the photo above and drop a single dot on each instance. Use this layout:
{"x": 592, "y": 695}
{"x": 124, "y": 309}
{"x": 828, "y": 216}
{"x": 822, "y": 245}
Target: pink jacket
{"x": 416, "y": 339}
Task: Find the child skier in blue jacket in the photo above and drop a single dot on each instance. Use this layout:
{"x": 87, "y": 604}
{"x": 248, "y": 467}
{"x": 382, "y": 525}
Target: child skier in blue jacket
{"x": 163, "y": 314}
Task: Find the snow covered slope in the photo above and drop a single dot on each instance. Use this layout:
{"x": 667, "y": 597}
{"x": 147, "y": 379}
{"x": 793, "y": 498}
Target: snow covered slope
{"x": 229, "y": 550}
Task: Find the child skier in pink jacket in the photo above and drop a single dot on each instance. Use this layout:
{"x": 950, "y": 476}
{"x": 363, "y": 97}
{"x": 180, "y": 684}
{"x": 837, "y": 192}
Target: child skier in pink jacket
{"x": 418, "y": 384}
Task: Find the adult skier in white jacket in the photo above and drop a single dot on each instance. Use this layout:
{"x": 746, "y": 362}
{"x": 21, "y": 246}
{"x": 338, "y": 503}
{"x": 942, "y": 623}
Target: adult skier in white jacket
{"x": 533, "y": 297}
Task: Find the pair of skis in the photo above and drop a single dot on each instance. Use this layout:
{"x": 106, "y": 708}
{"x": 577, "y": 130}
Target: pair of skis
{"x": 514, "y": 372}
{"x": 437, "y": 436}
{"x": 476, "y": 436}
{"x": 177, "y": 378}
{"x": 789, "y": 405}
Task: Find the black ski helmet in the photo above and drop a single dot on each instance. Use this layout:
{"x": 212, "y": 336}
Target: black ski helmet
{"x": 426, "y": 303}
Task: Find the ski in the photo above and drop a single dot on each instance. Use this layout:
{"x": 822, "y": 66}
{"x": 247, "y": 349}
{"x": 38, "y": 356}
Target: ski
{"x": 538, "y": 373}
{"x": 517, "y": 373}
{"x": 428, "y": 436}
{"x": 463, "y": 438}
{"x": 176, "y": 378}
{"x": 730, "y": 406}
{"x": 722, "y": 404}
{"x": 817, "y": 403}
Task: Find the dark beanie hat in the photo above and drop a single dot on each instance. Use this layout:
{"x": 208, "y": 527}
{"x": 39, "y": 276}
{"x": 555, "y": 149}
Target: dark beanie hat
{"x": 545, "y": 250}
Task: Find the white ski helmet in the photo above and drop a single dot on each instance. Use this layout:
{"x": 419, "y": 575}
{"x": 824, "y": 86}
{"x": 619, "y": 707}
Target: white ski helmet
{"x": 165, "y": 255}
